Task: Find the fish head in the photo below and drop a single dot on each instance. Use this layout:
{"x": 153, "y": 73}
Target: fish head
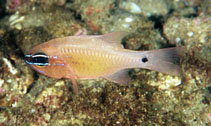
{"x": 45, "y": 60}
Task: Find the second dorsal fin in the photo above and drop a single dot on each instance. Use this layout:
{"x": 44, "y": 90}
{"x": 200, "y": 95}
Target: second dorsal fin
{"x": 114, "y": 38}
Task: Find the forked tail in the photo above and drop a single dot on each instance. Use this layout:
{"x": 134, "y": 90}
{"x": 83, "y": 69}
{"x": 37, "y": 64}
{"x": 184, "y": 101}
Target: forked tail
{"x": 163, "y": 60}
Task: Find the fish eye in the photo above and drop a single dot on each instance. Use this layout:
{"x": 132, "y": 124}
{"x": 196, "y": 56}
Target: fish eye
{"x": 38, "y": 59}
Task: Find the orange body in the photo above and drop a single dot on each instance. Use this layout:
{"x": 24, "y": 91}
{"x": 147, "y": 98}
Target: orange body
{"x": 90, "y": 57}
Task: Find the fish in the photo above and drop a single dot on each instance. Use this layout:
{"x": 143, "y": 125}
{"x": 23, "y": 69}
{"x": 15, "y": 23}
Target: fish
{"x": 98, "y": 56}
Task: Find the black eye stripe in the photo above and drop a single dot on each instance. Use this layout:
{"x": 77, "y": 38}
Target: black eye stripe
{"x": 38, "y": 59}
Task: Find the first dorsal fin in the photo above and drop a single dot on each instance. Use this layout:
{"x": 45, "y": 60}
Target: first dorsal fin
{"x": 114, "y": 38}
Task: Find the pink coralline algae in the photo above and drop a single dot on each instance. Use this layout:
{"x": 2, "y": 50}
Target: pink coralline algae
{"x": 13, "y": 4}
{"x": 1, "y": 91}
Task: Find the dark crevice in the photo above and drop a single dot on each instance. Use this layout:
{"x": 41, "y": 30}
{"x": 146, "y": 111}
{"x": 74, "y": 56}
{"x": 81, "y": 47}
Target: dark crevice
{"x": 158, "y": 20}
{"x": 69, "y": 1}
{"x": 209, "y": 89}
{"x": 3, "y": 9}
{"x": 103, "y": 97}
{"x": 192, "y": 15}
{"x": 3, "y": 14}
{"x": 76, "y": 15}
{"x": 8, "y": 44}
{"x": 12, "y": 43}
{"x": 36, "y": 77}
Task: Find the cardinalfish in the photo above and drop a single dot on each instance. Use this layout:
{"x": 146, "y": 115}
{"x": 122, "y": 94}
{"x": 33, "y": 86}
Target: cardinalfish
{"x": 94, "y": 56}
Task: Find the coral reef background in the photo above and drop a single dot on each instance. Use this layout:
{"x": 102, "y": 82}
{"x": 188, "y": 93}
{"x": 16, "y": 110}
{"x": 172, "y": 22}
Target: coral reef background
{"x": 28, "y": 98}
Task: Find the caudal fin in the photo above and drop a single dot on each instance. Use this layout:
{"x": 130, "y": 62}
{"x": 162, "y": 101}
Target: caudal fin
{"x": 163, "y": 60}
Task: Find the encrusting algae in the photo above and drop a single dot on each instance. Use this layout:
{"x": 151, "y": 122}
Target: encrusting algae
{"x": 152, "y": 98}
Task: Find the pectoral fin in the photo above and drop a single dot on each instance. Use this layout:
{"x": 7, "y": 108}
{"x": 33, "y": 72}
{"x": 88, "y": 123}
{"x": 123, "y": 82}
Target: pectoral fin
{"x": 120, "y": 77}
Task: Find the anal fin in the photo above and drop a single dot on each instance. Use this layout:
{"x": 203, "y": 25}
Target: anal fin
{"x": 120, "y": 77}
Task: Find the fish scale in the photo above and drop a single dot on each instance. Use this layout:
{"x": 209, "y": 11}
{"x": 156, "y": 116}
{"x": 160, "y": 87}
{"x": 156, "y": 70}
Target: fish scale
{"x": 91, "y": 64}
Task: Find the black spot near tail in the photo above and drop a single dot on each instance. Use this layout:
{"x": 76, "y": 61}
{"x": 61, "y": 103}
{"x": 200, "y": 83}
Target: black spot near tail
{"x": 144, "y": 60}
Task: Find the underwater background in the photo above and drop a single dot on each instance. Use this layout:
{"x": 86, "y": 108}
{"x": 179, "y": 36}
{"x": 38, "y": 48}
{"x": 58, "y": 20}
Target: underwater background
{"x": 153, "y": 99}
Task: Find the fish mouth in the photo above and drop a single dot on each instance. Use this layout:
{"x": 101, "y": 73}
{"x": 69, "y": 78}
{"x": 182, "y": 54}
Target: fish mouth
{"x": 28, "y": 59}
